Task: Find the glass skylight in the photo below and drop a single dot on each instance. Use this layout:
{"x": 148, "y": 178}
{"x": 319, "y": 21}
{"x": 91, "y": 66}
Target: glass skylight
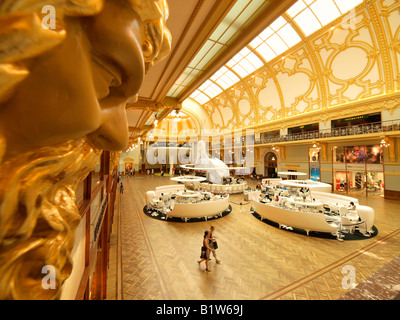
{"x": 311, "y": 15}
{"x": 240, "y": 16}
{"x": 275, "y": 39}
{"x": 245, "y": 62}
{"x": 225, "y": 78}
{"x": 346, "y": 5}
{"x": 200, "y": 97}
{"x": 210, "y": 89}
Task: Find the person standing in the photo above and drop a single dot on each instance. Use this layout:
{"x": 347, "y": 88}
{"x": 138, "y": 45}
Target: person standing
{"x": 205, "y": 250}
{"x": 213, "y": 243}
{"x": 121, "y": 188}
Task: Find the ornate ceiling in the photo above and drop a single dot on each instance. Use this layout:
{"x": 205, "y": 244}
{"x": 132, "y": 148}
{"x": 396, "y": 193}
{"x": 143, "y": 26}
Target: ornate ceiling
{"x": 323, "y": 75}
{"x": 349, "y": 65}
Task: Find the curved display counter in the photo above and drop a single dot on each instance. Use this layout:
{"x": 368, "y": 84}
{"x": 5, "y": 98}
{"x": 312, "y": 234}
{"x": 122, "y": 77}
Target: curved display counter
{"x": 190, "y": 182}
{"x": 174, "y": 201}
{"x": 224, "y": 188}
{"x": 337, "y": 201}
{"x": 307, "y": 221}
{"x": 322, "y": 212}
{"x": 310, "y": 184}
{"x": 201, "y": 209}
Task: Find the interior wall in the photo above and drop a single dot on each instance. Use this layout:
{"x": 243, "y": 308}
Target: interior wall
{"x": 71, "y": 285}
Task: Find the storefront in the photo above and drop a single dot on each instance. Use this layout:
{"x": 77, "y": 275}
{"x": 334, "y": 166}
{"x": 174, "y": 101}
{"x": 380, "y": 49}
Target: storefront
{"x": 358, "y": 169}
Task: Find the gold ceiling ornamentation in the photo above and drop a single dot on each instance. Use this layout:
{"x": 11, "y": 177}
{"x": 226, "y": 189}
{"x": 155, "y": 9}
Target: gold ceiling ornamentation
{"x": 336, "y": 65}
{"x": 380, "y": 33}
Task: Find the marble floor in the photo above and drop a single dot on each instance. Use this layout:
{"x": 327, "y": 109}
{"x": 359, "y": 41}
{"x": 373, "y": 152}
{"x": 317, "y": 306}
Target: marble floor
{"x": 153, "y": 259}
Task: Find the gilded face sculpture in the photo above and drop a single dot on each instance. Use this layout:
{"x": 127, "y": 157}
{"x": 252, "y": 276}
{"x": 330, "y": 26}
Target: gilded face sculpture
{"x": 62, "y": 100}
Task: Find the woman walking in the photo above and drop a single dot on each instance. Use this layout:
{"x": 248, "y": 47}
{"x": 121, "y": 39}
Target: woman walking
{"x": 205, "y": 250}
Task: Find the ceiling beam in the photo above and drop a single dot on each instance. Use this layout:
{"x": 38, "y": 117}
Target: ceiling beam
{"x": 273, "y": 11}
{"x": 192, "y": 46}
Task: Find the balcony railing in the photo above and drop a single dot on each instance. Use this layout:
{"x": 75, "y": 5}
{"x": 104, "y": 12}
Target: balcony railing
{"x": 376, "y": 127}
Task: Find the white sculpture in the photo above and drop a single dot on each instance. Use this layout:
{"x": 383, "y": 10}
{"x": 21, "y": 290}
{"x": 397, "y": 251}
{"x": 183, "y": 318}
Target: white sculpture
{"x": 217, "y": 169}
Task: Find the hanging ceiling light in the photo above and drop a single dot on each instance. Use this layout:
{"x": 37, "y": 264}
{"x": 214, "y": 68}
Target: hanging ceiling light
{"x": 176, "y": 114}
{"x": 155, "y": 121}
{"x": 384, "y": 143}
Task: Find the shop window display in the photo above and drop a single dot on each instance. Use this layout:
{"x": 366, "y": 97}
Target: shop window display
{"x": 358, "y": 169}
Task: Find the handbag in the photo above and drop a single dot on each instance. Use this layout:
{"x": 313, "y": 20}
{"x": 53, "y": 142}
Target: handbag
{"x": 203, "y": 253}
{"x": 215, "y": 244}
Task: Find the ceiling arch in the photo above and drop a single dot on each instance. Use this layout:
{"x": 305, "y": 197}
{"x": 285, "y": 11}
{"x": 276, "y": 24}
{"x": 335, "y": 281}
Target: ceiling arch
{"x": 353, "y": 57}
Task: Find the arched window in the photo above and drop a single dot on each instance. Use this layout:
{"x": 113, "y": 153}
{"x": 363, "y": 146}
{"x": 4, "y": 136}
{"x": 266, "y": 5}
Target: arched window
{"x": 271, "y": 165}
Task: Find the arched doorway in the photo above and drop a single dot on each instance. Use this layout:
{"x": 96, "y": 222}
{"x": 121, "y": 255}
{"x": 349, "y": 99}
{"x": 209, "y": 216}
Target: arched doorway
{"x": 271, "y": 165}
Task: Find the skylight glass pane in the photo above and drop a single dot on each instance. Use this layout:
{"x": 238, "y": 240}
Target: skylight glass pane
{"x": 206, "y": 59}
{"x": 229, "y": 80}
{"x": 188, "y": 79}
{"x": 240, "y": 71}
{"x": 276, "y": 43}
{"x": 266, "y": 52}
{"x": 307, "y": 22}
{"x": 245, "y": 64}
{"x": 225, "y": 78}
{"x": 346, "y": 5}
{"x": 228, "y": 34}
{"x": 230, "y": 63}
{"x": 199, "y": 97}
{"x": 277, "y": 24}
{"x": 178, "y": 91}
{"x": 254, "y": 60}
{"x": 289, "y": 35}
{"x": 217, "y": 74}
{"x": 219, "y": 31}
{"x": 296, "y": 8}
{"x": 205, "y": 85}
{"x": 202, "y": 99}
{"x": 244, "y": 52}
{"x": 223, "y": 83}
{"x": 266, "y": 33}
{"x": 212, "y": 90}
{"x": 207, "y": 46}
{"x": 172, "y": 90}
{"x": 325, "y": 10}
{"x": 256, "y": 42}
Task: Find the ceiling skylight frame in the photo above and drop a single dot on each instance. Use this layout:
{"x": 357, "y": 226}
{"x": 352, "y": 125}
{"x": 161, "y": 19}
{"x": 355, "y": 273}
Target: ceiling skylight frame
{"x": 249, "y": 9}
{"x": 305, "y": 12}
{"x": 266, "y": 42}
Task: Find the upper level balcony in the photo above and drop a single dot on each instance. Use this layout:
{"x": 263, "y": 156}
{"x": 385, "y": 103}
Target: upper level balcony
{"x": 363, "y": 129}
